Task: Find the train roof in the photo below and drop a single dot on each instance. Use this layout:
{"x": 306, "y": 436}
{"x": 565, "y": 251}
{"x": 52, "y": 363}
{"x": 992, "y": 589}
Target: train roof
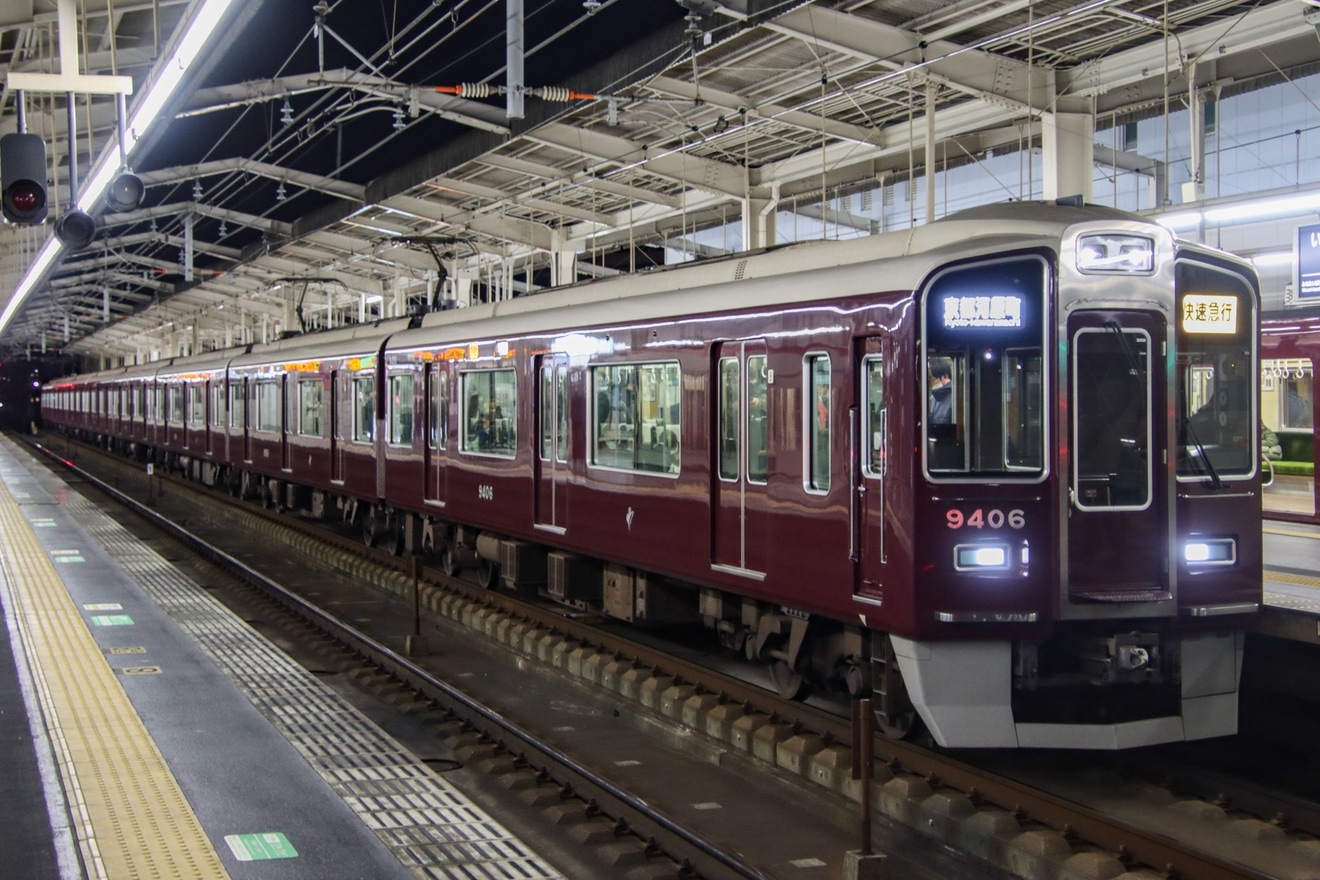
{"x": 788, "y": 273}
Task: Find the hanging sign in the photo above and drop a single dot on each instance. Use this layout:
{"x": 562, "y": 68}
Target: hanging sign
{"x": 1307, "y": 282}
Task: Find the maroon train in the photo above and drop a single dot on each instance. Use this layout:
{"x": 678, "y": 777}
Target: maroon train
{"x": 1000, "y": 472}
{"x": 1289, "y": 349}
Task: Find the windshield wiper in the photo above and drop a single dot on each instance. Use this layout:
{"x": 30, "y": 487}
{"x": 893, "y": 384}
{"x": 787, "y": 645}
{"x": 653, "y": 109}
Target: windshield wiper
{"x": 1134, "y": 363}
{"x": 1200, "y": 451}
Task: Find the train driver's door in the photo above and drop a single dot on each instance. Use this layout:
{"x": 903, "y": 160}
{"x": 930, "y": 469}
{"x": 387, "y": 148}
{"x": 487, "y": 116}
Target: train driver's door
{"x": 437, "y": 431}
{"x": 741, "y": 438}
{"x": 551, "y": 459}
{"x": 868, "y": 465}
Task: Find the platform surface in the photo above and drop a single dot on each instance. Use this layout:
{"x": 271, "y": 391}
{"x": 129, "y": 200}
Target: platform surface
{"x": 190, "y": 746}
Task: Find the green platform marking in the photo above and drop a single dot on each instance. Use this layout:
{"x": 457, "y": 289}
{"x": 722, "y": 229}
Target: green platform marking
{"x": 259, "y": 847}
{"x": 132, "y": 649}
{"x": 64, "y": 559}
{"x": 111, "y": 620}
{"x": 103, "y": 606}
{"x": 42, "y": 523}
{"x": 67, "y": 556}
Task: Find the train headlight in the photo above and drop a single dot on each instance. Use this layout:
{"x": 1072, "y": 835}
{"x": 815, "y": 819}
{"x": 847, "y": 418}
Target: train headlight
{"x": 1111, "y": 253}
{"x": 1210, "y": 551}
{"x": 980, "y": 557}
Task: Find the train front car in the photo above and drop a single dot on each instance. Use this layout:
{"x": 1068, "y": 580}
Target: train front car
{"x": 1088, "y": 508}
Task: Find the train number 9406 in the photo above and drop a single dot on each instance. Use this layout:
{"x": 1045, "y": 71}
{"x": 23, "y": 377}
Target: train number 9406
{"x": 985, "y": 519}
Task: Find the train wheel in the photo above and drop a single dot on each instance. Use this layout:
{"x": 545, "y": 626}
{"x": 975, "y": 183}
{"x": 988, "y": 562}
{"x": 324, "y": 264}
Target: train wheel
{"x": 394, "y": 526}
{"x": 488, "y": 574}
{"x": 370, "y": 528}
{"x": 449, "y": 560}
{"x": 790, "y": 684}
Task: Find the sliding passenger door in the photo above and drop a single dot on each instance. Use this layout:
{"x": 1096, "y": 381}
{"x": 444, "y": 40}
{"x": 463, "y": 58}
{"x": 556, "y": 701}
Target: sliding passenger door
{"x": 337, "y": 404}
{"x": 868, "y": 465}
{"x": 740, "y": 538}
{"x": 551, "y": 459}
{"x": 436, "y": 405}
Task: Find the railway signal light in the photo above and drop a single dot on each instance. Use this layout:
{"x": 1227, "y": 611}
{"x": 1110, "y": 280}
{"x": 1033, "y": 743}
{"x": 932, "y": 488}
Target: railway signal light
{"x": 23, "y": 178}
{"x": 75, "y": 230}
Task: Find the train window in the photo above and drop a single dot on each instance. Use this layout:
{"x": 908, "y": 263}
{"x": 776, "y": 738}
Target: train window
{"x": 1024, "y": 436}
{"x": 1112, "y": 417}
{"x": 197, "y": 405}
{"x": 553, "y": 419}
{"x": 218, "y": 403}
{"x": 311, "y": 409}
{"x": 437, "y": 393}
{"x": 546, "y": 415}
{"x": 401, "y": 409}
{"x": 175, "y": 398}
{"x": 561, "y": 424}
{"x": 364, "y": 409}
{"x": 236, "y": 401}
{"x": 490, "y": 410}
{"x": 757, "y": 409}
{"x": 819, "y": 421}
{"x": 1218, "y": 428}
{"x": 873, "y": 426}
{"x": 268, "y": 406}
{"x": 730, "y": 399}
{"x": 636, "y": 417}
{"x": 985, "y": 388}
{"x": 1287, "y": 393}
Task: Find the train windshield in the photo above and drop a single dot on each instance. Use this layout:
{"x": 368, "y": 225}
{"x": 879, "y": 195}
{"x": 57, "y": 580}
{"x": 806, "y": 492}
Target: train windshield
{"x": 985, "y": 381}
{"x": 1217, "y": 421}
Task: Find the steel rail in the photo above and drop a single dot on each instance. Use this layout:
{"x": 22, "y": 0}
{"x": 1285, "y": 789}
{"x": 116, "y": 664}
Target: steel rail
{"x": 1131, "y": 844}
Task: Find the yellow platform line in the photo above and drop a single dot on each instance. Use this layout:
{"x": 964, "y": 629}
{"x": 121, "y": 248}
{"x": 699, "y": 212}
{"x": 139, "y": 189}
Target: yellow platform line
{"x": 132, "y": 820}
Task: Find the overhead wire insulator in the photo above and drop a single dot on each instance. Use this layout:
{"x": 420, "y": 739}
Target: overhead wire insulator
{"x": 560, "y": 93}
{"x": 471, "y": 90}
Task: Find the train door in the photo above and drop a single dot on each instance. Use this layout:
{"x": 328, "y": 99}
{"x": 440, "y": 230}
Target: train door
{"x": 248, "y": 410}
{"x": 739, "y": 503}
{"x": 336, "y": 427}
{"x": 436, "y": 406}
{"x": 1117, "y": 524}
{"x": 286, "y": 422}
{"x": 868, "y": 463}
{"x": 551, "y": 459}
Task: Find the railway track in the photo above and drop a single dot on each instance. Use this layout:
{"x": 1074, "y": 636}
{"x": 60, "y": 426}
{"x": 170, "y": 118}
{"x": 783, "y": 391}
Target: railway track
{"x": 1012, "y": 824}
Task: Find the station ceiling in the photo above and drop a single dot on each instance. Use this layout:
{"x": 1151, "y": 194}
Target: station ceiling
{"x": 331, "y": 161}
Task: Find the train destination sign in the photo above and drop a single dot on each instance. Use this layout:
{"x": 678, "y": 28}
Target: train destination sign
{"x": 1307, "y": 282}
{"x": 982, "y": 311}
{"x": 1209, "y": 313}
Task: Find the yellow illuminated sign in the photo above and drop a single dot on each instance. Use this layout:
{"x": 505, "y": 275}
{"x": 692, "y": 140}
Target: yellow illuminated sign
{"x": 1209, "y": 313}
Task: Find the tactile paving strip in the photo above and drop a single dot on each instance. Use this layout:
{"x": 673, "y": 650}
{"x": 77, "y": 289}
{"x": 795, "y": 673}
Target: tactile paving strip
{"x": 132, "y": 821}
{"x": 430, "y": 826}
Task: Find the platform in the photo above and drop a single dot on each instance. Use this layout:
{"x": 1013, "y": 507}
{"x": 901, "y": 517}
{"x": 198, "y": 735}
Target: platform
{"x": 148, "y": 732}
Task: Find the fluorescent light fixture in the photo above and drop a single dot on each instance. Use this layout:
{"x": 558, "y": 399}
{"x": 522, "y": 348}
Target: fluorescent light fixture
{"x": 1264, "y": 208}
{"x": 1278, "y": 258}
{"x": 1180, "y": 222}
{"x": 38, "y": 268}
{"x": 168, "y": 76}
